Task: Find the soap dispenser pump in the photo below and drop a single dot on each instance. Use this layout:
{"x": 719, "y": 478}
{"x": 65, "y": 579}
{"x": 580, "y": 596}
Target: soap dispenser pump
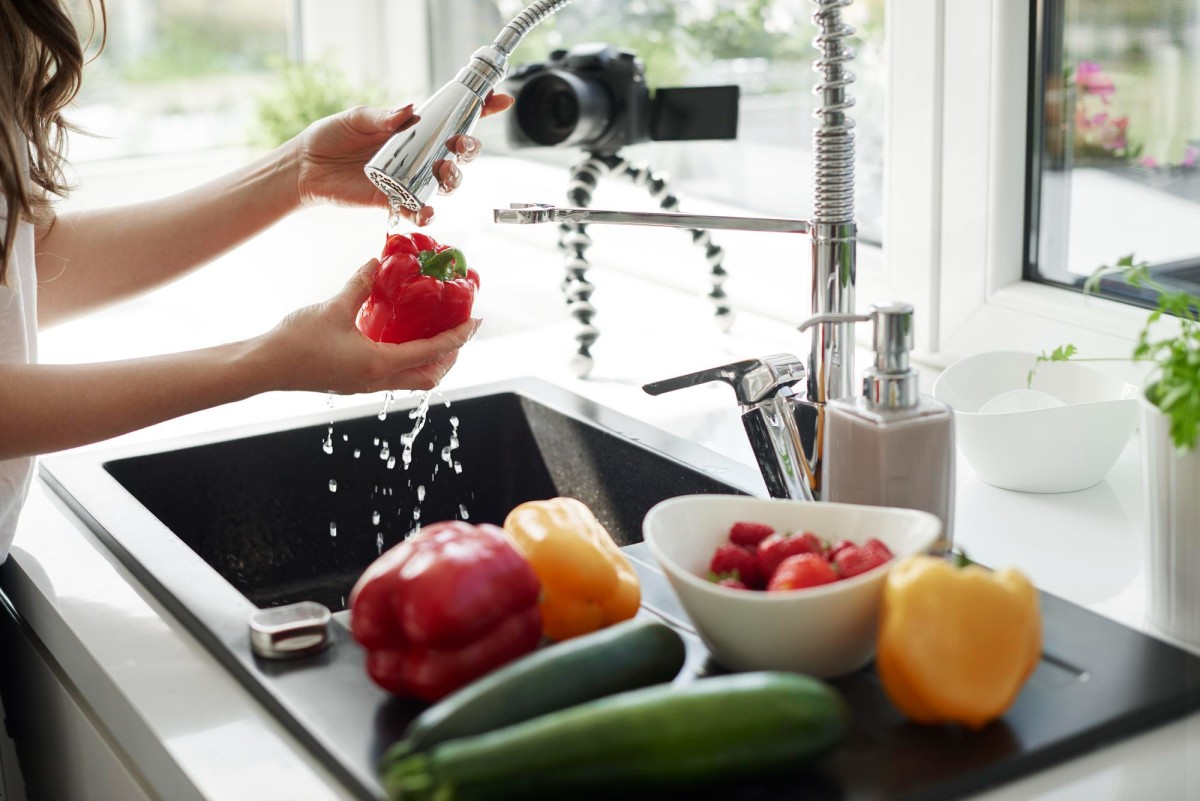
{"x": 890, "y": 446}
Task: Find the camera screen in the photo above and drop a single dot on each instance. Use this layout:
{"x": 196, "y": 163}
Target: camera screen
{"x": 694, "y": 112}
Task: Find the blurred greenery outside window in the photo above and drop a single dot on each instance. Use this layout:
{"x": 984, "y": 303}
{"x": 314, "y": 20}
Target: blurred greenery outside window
{"x": 181, "y": 76}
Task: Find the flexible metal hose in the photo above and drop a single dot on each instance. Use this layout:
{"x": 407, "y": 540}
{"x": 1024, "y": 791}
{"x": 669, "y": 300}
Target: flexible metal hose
{"x": 526, "y": 21}
{"x": 833, "y": 137}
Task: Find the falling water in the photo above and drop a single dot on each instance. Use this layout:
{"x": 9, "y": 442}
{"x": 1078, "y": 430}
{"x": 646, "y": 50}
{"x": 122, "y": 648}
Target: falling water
{"x": 418, "y": 416}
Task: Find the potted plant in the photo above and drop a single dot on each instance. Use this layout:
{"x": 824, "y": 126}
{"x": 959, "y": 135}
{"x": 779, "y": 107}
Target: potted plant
{"x": 1170, "y": 453}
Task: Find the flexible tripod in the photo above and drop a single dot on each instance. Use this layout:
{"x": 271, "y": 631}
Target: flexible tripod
{"x": 574, "y": 240}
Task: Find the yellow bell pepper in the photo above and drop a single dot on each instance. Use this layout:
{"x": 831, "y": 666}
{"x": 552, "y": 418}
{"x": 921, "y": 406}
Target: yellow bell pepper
{"x": 956, "y": 644}
{"x": 587, "y": 583}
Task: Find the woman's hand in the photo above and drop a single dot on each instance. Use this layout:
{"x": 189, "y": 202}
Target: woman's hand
{"x": 319, "y": 348}
{"x": 333, "y": 150}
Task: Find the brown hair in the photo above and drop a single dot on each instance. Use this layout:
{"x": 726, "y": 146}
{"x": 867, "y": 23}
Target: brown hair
{"x": 41, "y": 66}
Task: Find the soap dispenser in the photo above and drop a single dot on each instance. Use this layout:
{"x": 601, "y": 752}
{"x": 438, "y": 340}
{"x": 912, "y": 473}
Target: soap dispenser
{"x": 891, "y": 446}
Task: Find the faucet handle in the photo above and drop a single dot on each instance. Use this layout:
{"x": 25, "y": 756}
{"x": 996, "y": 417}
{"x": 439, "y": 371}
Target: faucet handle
{"x": 753, "y": 380}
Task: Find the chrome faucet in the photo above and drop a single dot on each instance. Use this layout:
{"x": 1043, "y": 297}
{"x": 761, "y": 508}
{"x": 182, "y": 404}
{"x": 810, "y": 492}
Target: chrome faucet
{"x": 786, "y": 427}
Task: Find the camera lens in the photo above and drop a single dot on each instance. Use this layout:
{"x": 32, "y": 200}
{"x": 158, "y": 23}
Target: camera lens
{"x": 558, "y": 108}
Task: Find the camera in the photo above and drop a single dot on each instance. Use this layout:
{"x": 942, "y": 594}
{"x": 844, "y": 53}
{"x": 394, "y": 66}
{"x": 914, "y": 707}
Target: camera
{"x": 594, "y": 97}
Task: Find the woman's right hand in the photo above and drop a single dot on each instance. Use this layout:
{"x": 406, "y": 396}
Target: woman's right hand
{"x": 319, "y": 348}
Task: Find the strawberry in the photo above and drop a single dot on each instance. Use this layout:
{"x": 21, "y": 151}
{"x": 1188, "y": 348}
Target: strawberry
{"x": 837, "y": 548}
{"x": 732, "y": 583}
{"x": 802, "y": 570}
{"x": 749, "y": 534}
{"x": 859, "y": 559}
{"x": 738, "y": 562}
{"x": 780, "y": 545}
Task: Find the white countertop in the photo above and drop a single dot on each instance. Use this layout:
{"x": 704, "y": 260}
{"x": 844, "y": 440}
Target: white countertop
{"x": 194, "y": 732}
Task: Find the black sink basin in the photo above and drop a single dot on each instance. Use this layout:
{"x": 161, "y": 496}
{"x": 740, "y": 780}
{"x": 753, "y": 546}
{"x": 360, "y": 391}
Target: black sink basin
{"x": 282, "y": 520}
{"x": 219, "y": 525}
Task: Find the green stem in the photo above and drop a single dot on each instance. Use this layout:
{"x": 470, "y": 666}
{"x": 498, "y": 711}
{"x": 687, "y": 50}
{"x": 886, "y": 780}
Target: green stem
{"x": 449, "y": 263}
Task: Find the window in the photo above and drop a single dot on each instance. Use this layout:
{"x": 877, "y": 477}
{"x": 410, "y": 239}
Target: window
{"x": 1115, "y": 147}
{"x": 763, "y": 46}
{"x": 176, "y": 75}
{"x": 966, "y": 134}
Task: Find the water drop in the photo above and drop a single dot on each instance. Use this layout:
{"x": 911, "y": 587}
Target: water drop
{"x": 387, "y": 401}
{"x": 391, "y": 463}
{"x": 416, "y": 514}
{"x": 458, "y": 467}
{"x": 327, "y": 445}
{"x": 379, "y": 541}
{"x": 421, "y": 493}
{"x": 333, "y": 485}
{"x": 345, "y": 437}
{"x": 395, "y": 220}
{"x": 333, "y": 529}
{"x": 377, "y": 441}
{"x": 357, "y": 453}
{"x": 462, "y": 511}
{"x": 374, "y": 518}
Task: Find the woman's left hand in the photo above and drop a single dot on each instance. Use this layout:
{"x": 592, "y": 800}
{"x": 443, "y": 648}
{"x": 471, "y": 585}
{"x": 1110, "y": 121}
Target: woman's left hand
{"x": 333, "y": 150}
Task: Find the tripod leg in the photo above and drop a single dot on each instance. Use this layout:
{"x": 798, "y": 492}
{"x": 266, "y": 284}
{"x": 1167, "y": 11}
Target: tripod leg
{"x": 574, "y": 240}
{"x": 656, "y": 184}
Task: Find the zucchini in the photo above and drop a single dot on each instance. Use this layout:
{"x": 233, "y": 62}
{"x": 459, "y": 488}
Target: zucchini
{"x": 651, "y": 739}
{"x": 632, "y": 654}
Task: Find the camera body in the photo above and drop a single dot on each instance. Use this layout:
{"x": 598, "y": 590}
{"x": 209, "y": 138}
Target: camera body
{"x": 594, "y": 97}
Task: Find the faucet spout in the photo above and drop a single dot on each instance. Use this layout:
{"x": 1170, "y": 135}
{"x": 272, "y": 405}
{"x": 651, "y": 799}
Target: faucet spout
{"x": 778, "y": 421}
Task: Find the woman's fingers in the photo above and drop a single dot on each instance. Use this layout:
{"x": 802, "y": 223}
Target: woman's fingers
{"x": 358, "y": 288}
{"x": 423, "y": 352}
{"x": 449, "y": 176}
{"x": 370, "y": 121}
{"x": 464, "y": 147}
{"x": 495, "y": 103}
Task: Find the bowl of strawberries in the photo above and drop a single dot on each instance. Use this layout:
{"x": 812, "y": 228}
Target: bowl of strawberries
{"x": 783, "y": 585}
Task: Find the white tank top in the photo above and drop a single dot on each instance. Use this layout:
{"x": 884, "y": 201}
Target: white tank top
{"x": 18, "y": 343}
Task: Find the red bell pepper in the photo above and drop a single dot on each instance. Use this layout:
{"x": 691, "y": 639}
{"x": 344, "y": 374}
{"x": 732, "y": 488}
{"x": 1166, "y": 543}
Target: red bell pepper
{"x": 444, "y": 607}
{"x": 422, "y": 289}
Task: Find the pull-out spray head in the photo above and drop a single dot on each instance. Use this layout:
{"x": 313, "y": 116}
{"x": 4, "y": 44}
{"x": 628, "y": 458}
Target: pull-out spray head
{"x": 404, "y": 168}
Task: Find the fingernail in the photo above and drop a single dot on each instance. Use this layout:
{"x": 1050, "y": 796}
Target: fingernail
{"x": 425, "y": 215}
{"x": 475, "y": 330}
{"x": 402, "y": 109}
{"x": 470, "y": 144}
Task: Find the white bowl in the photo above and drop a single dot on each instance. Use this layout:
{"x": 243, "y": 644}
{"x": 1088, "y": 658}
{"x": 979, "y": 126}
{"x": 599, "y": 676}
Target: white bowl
{"x": 823, "y": 631}
{"x": 1056, "y": 449}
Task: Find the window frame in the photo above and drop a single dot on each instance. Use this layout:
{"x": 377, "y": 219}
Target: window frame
{"x": 969, "y": 273}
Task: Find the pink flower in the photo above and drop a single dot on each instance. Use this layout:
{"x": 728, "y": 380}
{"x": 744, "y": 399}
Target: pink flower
{"x": 1102, "y": 130}
{"x": 1147, "y": 161}
{"x": 1090, "y": 79}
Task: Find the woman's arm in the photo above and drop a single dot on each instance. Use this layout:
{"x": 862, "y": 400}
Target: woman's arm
{"x": 89, "y": 259}
{"x": 52, "y": 407}
{"x": 86, "y": 260}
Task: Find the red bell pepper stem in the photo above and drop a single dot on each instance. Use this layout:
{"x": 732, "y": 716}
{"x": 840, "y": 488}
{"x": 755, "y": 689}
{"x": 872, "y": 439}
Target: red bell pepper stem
{"x": 449, "y": 263}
